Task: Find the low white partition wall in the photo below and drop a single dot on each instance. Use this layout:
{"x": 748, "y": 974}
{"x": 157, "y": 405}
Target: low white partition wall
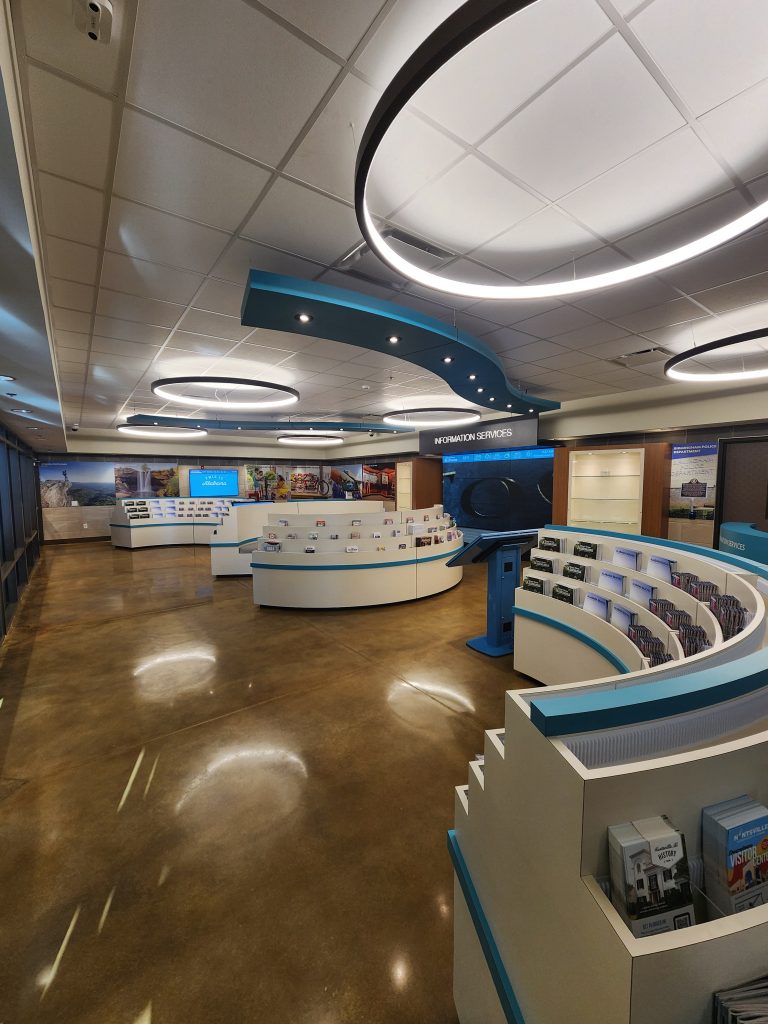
{"x": 233, "y": 542}
{"x": 345, "y": 559}
{"x": 159, "y": 522}
{"x": 537, "y": 938}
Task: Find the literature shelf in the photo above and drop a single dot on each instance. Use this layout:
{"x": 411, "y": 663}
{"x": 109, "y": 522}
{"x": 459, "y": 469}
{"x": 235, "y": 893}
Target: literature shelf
{"x": 606, "y": 489}
{"x": 530, "y": 840}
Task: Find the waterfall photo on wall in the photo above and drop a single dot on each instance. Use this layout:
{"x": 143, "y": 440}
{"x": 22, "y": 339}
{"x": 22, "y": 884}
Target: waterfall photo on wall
{"x": 63, "y": 484}
{"x": 499, "y": 490}
{"x": 146, "y": 480}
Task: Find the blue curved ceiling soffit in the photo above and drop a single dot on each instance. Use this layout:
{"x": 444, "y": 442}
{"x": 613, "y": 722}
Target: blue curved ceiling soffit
{"x": 272, "y": 301}
{"x": 281, "y": 426}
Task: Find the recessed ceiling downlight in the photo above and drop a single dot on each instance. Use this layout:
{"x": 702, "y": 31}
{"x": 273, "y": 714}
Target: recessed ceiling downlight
{"x": 721, "y": 361}
{"x": 159, "y": 431}
{"x": 417, "y": 419}
{"x": 449, "y": 39}
{"x": 238, "y": 394}
{"x": 310, "y": 440}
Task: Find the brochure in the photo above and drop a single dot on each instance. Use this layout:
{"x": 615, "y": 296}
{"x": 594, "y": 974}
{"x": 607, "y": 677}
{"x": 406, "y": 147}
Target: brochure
{"x": 350, "y": 548}
{"x": 535, "y": 584}
{"x": 661, "y": 568}
{"x": 586, "y": 549}
{"x": 542, "y": 564}
{"x": 549, "y": 544}
{"x": 627, "y": 558}
{"x": 641, "y": 592}
{"x": 613, "y": 581}
{"x": 735, "y": 850}
{"x": 567, "y": 595}
{"x": 424, "y": 541}
{"x": 622, "y": 618}
{"x": 576, "y": 571}
{"x": 309, "y": 549}
{"x": 319, "y": 522}
{"x": 597, "y": 605}
{"x": 650, "y": 881}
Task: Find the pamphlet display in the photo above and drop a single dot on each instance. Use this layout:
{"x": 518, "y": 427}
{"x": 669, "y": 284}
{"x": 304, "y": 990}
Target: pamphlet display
{"x": 612, "y": 581}
{"x": 735, "y": 850}
{"x": 576, "y": 571}
{"x": 568, "y": 595}
{"x": 542, "y": 564}
{"x": 597, "y": 605}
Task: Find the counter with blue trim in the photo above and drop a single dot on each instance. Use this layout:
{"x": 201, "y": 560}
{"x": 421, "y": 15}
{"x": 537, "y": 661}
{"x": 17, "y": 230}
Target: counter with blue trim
{"x": 744, "y": 539}
{"x": 536, "y": 937}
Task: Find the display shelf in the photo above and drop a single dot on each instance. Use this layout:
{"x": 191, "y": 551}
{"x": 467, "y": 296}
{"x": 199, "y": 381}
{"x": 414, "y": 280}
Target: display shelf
{"x": 605, "y": 488}
{"x": 348, "y": 571}
{"x": 532, "y": 827}
{"x": 158, "y": 522}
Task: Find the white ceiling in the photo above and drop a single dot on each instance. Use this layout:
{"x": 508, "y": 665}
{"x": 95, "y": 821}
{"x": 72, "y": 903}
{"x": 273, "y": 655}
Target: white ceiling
{"x": 579, "y": 136}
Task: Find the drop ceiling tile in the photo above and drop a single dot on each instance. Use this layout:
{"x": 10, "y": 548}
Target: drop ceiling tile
{"x": 72, "y": 369}
{"x": 563, "y": 320}
{"x": 674, "y": 312}
{"x": 742, "y": 258}
{"x": 611, "y": 303}
{"x": 71, "y": 128}
{"x": 708, "y": 55}
{"x": 304, "y": 222}
{"x": 593, "y": 334}
{"x": 262, "y": 353}
{"x": 538, "y": 350}
{"x": 332, "y": 350}
{"x": 129, "y": 331}
{"x": 731, "y": 127}
{"x": 507, "y": 313}
{"x": 50, "y": 37}
{"x": 326, "y": 155}
{"x": 132, "y": 307}
{"x": 509, "y": 65}
{"x": 117, "y": 346}
{"x": 442, "y": 213}
{"x": 199, "y": 321}
{"x": 119, "y": 361}
{"x": 505, "y": 339}
{"x": 618, "y": 347}
{"x": 313, "y": 364}
{"x": 241, "y": 256}
{"x": 71, "y": 355}
{"x": 235, "y": 77}
{"x": 567, "y": 360}
{"x": 220, "y": 297}
{"x": 406, "y": 26}
{"x": 217, "y": 188}
{"x": 151, "y": 235}
{"x": 546, "y": 240}
{"x": 411, "y": 154}
{"x": 70, "y": 210}
{"x": 72, "y": 339}
{"x": 199, "y": 344}
{"x": 71, "y": 295}
{"x": 71, "y": 261}
{"x": 601, "y": 112}
{"x": 339, "y": 26}
{"x": 149, "y": 280}
{"x": 738, "y": 293}
{"x": 670, "y": 175}
{"x": 69, "y": 320}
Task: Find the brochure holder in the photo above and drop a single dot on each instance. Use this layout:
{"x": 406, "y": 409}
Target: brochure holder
{"x": 503, "y": 552}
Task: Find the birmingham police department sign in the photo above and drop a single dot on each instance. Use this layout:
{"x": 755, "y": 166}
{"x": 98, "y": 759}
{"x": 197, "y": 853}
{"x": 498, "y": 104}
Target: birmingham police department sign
{"x": 516, "y": 431}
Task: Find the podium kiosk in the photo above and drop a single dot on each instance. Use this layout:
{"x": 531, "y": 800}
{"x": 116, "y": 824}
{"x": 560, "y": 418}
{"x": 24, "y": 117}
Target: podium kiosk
{"x": 503, "y": 553}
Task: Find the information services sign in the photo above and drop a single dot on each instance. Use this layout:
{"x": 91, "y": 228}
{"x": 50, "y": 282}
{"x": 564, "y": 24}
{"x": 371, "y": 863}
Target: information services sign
{"x": 516, "y": 431}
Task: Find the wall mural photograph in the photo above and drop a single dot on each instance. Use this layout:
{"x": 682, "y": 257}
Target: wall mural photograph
{"x": 146, "y": 480}
{"x": 379, "y": 480}
{"x": 64, "y": 484}
{"x": 499, "y": 490}
{"x": 340, "y": 481}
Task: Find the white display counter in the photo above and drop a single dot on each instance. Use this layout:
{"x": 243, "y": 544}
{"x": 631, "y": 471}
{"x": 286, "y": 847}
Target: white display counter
{"x": 159, "y": 522}
{"x": 399, "y": 556}
{"x": 537, "y": 939}
{"x": 233, "y": 542}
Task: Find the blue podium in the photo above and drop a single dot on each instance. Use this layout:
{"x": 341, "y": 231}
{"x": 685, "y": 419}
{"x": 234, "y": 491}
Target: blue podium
{"x": 503, "y": 553}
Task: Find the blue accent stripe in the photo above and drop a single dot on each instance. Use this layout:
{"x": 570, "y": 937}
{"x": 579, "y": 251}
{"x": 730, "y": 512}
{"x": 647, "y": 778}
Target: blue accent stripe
{"x": 584, "y": 638}
{"x": 147, "y": 526}
{"x": 509, "y": 1004}
{"x": 336, "y": 568}
{"x": 233, "y": 543}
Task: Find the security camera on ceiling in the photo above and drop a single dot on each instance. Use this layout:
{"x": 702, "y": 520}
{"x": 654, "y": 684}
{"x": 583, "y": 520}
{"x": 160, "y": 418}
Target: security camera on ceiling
{"x": 94, "y": 19}
{"x": 75, "y": 427}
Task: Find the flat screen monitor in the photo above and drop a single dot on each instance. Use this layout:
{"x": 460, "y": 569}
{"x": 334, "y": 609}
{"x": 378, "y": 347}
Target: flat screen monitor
{"x": 213, "y": 483}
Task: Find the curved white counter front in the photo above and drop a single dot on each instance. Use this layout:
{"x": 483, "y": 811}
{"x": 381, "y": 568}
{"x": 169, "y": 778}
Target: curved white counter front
{"x": 386, "y": 567}
{"x": 537, "y": 939}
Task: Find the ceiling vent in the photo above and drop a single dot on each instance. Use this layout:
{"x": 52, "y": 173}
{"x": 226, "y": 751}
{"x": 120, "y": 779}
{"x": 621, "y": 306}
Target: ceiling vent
{"x": 643, "y": 356}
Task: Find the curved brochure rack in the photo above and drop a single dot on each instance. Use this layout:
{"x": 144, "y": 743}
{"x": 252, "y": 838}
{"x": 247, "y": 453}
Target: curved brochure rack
{"x": 158, "y": 522}
{"x": 537, "y": 936}
{"x": 354, "y": 559}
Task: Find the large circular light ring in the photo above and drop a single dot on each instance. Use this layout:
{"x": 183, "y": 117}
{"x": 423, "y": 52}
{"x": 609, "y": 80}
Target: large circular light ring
{"x": 432, "y": 418}
{"x": 463, "y": 27}
{"x": 310, "y": 440}
{"x": 160, "y": 431}
{"x": 162, "y": 388}
{"x": 671, "y": 367}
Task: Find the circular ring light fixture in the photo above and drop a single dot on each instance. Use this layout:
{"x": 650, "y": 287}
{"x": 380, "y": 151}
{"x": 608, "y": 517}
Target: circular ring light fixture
{"x": 417, "y": 419}
{"x": 158, "y": 431}
{"x": 457, "y": 32}
{"x": 169, "y": 389}
{"x": 672, "y": 368}
{"x": 310, "y": 440}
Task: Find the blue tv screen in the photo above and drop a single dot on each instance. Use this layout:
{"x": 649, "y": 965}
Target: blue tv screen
{"x": 213, "y": 483}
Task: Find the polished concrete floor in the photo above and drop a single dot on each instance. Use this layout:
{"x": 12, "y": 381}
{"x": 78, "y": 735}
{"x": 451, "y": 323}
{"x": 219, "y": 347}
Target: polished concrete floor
{"x": 213, "y": 813}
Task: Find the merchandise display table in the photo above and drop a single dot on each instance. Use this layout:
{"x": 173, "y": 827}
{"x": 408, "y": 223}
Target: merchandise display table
{"x": 238, "y": 536}
{"x": 158, "y": 522}
{"x": 537, "y": 938}
{"x": 354, "y": 559}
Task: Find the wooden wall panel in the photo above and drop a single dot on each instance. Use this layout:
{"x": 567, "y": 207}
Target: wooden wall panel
{"x": 560, "y": 488}
{"x": 81, "y": 522}
{"x": 427, "y": 482}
